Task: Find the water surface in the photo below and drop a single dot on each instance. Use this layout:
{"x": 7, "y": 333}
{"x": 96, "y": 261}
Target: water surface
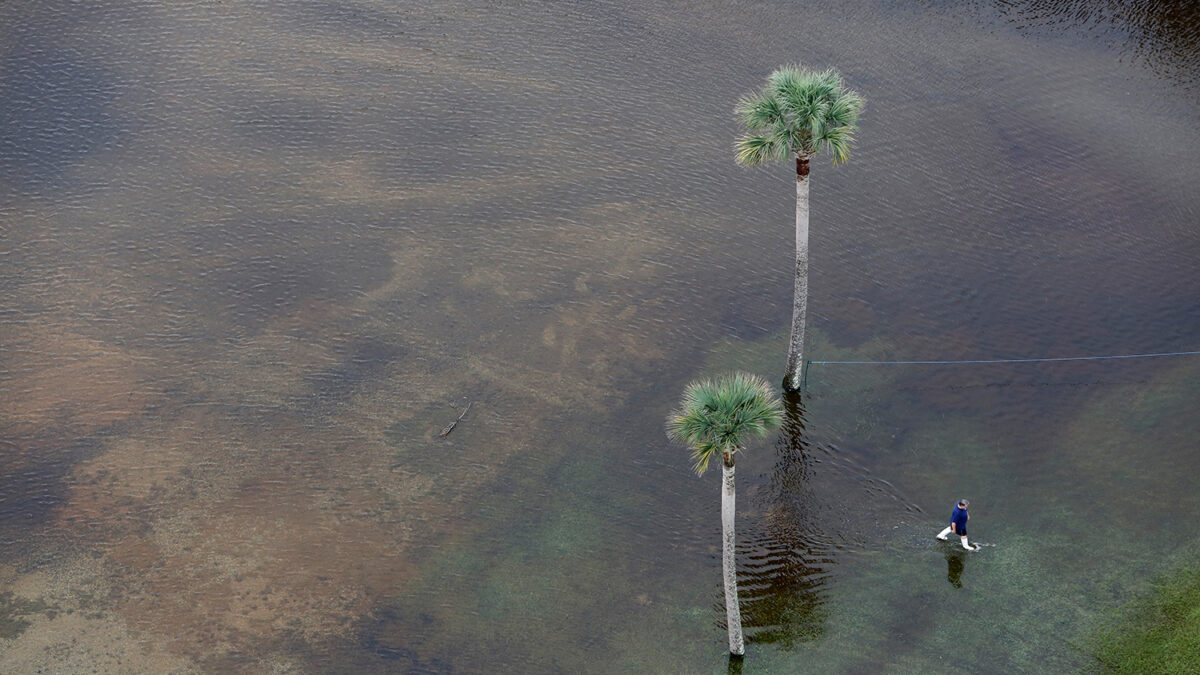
{"x": 257, "y": 256}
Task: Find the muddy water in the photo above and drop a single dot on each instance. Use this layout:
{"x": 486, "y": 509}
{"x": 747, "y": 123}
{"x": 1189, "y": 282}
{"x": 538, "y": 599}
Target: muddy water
{"x": 257, "y": 256}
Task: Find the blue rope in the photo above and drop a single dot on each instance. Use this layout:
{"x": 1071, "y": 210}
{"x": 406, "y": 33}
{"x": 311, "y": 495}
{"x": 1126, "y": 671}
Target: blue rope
{"x": 940, "y": 363}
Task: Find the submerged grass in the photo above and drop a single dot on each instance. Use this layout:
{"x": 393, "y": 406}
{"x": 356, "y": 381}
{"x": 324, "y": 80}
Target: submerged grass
{"x": 1159, "y": 633}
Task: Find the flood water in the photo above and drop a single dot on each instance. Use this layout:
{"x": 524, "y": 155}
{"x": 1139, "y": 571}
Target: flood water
{"x": 256, "y": 256}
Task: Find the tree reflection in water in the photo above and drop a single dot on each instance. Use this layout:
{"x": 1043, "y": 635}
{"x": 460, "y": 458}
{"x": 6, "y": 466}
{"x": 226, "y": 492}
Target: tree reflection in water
{"x": 785, "y": 562}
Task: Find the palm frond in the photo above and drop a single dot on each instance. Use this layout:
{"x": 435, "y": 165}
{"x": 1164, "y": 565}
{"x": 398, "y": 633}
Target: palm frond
{"x": 786, "y": 78}
{"x": 800, "y": 141}
{"x": 701, "y": 455}
{"x": 806, "y": 97}
{"x": 816, "y": 127}
{"x": 758, "y": 149}
{"x": 839, "y": 141}
{"x": 798, "y": 97}
{"x": 719, "y": 416}
{"x": 844, "y": 109}
{"x": 828, "y": 82}
{"x": 759, "y": 111}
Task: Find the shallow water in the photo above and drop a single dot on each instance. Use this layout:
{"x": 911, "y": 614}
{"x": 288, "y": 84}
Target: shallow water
{"x": 257, "y": 256}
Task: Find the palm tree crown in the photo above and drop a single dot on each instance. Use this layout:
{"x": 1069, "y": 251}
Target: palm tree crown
{"x": 799, "y": 112}
{"x": 718, "y": 416}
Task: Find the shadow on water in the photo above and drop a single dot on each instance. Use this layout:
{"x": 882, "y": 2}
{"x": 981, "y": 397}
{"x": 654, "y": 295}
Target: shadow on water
{"x": 784, "y": 563}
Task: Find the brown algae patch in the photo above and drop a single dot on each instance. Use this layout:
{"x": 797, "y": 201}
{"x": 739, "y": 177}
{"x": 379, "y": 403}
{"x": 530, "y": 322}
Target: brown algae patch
{"x": 224, "y": 528}
{"x": 77, "y": 642}
{"x": 261, "y": 567}
{"x": 57, "y": 380}
{"x": 65, "y": 625}
{"x": 249, "y": 507}
{"x": 214, "y": 553}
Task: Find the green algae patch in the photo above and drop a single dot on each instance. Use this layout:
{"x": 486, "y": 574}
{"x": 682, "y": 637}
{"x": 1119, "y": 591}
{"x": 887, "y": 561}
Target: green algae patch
{"x": 1158, "y": 634}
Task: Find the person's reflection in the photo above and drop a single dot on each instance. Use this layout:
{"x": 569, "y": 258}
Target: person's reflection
{"x": 954, "y": 567}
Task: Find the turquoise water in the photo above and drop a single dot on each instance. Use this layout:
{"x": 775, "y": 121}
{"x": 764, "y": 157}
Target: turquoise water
{"x": 258, "y": 256}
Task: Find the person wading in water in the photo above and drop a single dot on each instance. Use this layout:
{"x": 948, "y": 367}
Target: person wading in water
{"x": 958, "y": 524}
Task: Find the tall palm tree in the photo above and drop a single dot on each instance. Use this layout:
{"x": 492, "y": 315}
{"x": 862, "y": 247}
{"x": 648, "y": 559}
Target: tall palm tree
{"x": 798, "y": 113}
{"x": 717, "y": 417}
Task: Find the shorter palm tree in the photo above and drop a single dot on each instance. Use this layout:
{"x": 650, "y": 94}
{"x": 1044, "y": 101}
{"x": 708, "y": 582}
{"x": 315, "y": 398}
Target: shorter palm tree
{"x": 718, "y": 417}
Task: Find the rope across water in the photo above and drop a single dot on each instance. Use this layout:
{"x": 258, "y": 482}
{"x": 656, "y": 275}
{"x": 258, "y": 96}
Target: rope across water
{"x": 941, "y": 363}
{"x": 804, "y": 377}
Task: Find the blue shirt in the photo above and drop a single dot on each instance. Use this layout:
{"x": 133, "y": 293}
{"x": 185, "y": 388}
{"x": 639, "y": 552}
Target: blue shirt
{"x": 959, "y": 518}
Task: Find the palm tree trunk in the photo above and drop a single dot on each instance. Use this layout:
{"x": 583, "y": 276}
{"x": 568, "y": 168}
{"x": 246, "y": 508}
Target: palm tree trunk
{"x": 733, "y": 614}
{"x": 795, "y": 361}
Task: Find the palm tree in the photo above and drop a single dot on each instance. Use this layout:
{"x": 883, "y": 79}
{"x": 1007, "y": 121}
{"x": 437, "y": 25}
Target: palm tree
{"x": 717, "y": 417}
{"x": 797, "y": 114}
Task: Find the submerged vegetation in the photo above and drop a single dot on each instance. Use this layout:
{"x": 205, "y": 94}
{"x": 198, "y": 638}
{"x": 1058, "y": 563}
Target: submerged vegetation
{"x": 1160, "y": 634}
